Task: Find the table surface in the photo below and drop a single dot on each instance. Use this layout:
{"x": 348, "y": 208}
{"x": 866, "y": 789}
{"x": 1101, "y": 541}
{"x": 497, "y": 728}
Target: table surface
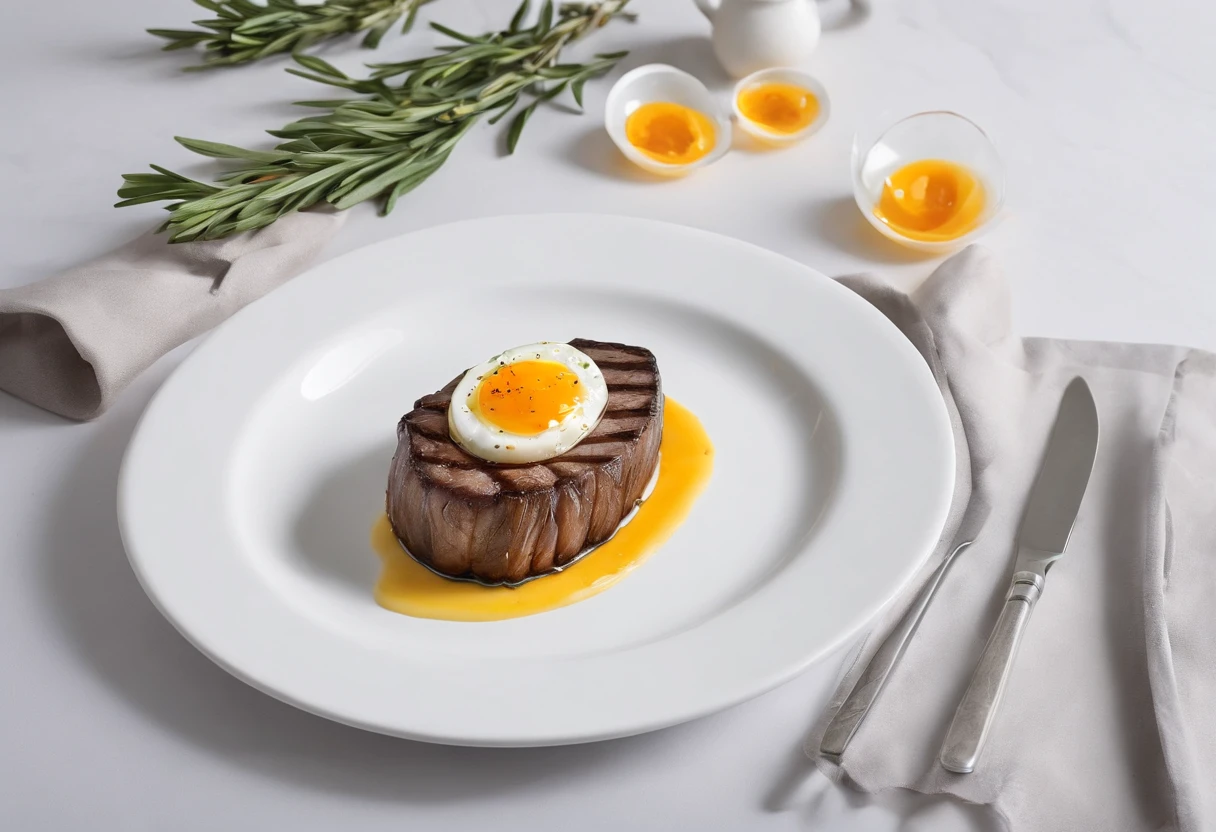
{"x": 1105, "y": 111}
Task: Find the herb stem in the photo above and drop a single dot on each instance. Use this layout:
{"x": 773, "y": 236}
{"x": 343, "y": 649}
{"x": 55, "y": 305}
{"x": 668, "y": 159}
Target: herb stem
{"x": 243, "y": 31}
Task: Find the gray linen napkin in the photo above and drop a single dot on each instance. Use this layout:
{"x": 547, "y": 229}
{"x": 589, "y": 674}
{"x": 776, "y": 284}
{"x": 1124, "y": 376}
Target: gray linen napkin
{"x": 71, "y": 343}
{"x": 1109, "y": 719}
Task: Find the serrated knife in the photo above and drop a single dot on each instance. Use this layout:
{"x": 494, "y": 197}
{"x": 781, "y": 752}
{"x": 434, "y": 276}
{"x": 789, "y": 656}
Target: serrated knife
{"x": 1054, "y": 502}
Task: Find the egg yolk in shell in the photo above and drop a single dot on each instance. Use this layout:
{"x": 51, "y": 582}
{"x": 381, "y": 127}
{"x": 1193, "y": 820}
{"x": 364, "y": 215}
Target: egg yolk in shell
{"x": 931, "y": 200}
{"x": 528, "y": 397}
{"x": 780, "y": 108}
{"x": 670, "y": 133}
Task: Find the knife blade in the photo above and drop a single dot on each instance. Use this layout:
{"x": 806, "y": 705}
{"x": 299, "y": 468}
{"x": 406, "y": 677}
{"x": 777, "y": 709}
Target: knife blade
{"x": 1051, "y": 512}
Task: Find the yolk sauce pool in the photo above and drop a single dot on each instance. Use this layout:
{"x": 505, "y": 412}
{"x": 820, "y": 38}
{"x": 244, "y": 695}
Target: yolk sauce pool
{"x": 527, "y": 396}
{"x": 670, "y": 133}
{"x": 685, "y": 465}
{"x": 931, "y": 200}
{"x": 779, "y": 107}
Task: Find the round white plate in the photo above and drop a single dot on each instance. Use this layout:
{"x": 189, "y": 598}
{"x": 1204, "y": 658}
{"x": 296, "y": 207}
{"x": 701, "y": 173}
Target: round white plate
{"x": 248, "y": 493}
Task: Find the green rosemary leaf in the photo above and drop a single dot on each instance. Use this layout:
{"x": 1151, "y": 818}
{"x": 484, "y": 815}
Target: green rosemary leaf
{"x": 410, "y": 17}
{"x": 226, "y": 151}
{"x": 181, "y": 36}
{"x": 319, "y": 66}
{"x": 413, "y": 181}
{"x": 576, "y": 89}
{"x": 517, "y": 125}
{"x": 453, "y": 34}
{"x": 292, "y": 185}
{"x": 545, "y": 23}
{"x": 220, "y": 26}
{"x": 286, "y": 42}
{"x": 178, "y": 178}
{"x": 518, "y": 19}
{"x": 321, "y": 104}
{"x": 139, "y": 200}
{"x": 195, "y": 227}
{"x": 224, "y": 199}
{"x": 385, "y": 140}
{"x": 244, "y": 40}
{"x": 372, "y": 39}
{"x": 264, "y": 21}
{"x": 376, "y": 185}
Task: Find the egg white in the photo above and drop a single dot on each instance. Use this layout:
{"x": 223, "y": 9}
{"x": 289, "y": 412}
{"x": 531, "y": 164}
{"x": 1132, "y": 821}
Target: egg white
{"x": 493, "y": 444}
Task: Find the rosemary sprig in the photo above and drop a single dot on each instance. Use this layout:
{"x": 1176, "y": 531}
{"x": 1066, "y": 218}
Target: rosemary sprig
{"x": 387, "y": 141}
{"x": 243, "y": 31}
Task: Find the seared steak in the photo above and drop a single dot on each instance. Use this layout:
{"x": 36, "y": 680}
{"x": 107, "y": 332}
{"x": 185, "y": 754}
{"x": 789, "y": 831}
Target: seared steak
{"x": 465, "y": 517}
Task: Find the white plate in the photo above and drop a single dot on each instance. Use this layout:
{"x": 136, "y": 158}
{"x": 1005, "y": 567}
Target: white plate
{"x": 249, "y": 490}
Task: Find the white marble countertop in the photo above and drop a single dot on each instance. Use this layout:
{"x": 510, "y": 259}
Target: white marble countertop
{"x": 1104, "y": 109}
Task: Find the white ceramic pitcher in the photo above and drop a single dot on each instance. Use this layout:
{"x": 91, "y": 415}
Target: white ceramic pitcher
{"x": 750, "y": 35}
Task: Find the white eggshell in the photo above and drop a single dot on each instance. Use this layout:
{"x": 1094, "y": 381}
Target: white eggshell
{"x": 660, "y": 82}
{"x": 781, "y": 75}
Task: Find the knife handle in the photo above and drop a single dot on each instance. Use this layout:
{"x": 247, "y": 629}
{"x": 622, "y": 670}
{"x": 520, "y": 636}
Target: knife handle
{"x": 976, "y": 711}
{"x": 865, "y": 690}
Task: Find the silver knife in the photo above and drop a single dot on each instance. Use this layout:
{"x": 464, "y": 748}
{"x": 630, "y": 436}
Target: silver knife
{"x": 1042, "y": 539}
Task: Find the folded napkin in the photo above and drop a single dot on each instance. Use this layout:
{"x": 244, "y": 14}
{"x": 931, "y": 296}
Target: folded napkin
{"x": 1109, "y": 718}
{"x": 71, "y": 343}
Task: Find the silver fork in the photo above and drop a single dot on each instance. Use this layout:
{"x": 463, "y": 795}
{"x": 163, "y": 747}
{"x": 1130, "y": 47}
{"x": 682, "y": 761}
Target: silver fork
{"x": 865, "y": 691}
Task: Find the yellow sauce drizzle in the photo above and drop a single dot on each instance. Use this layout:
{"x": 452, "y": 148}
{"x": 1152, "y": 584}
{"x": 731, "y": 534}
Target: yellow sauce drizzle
{"x": 407, "y": 587}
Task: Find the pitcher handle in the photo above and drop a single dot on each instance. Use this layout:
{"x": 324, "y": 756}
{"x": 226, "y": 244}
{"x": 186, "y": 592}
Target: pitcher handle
{"x": 836, "y": 18}
{"x": 709, "y": 8}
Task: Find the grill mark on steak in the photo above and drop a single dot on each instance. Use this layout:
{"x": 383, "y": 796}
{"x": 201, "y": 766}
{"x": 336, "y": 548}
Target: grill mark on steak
{"x": 468, "y": 518}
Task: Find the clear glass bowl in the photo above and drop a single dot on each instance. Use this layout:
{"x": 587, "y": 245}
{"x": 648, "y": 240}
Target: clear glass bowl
{"x": 932, "y": 135}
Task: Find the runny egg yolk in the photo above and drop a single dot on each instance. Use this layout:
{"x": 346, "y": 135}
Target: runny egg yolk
{"x": 670, "y": 133}
{"x": 779, "y": 108}
{"x": 931, "y": 200}
{"x": 528, "y": 397}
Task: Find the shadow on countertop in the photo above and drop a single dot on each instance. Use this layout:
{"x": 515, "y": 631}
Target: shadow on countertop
{"x": 838, "y": 222}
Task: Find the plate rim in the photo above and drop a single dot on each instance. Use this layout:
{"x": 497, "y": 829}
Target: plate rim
{"x": 128, "y": 485}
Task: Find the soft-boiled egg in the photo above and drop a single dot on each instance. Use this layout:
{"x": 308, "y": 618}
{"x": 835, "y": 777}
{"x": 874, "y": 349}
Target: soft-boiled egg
{"x": 527, "y": 404}
{"x": 932, "y": 181}
{"x": 781, "y": 105}
{"x": 665, "y": 120}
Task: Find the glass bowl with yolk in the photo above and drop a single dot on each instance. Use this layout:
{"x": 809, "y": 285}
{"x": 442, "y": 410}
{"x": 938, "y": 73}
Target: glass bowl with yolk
{"x": 780, "y": 106}
{"x": 932, "y": 181}
{"x": 665, "y": 120}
